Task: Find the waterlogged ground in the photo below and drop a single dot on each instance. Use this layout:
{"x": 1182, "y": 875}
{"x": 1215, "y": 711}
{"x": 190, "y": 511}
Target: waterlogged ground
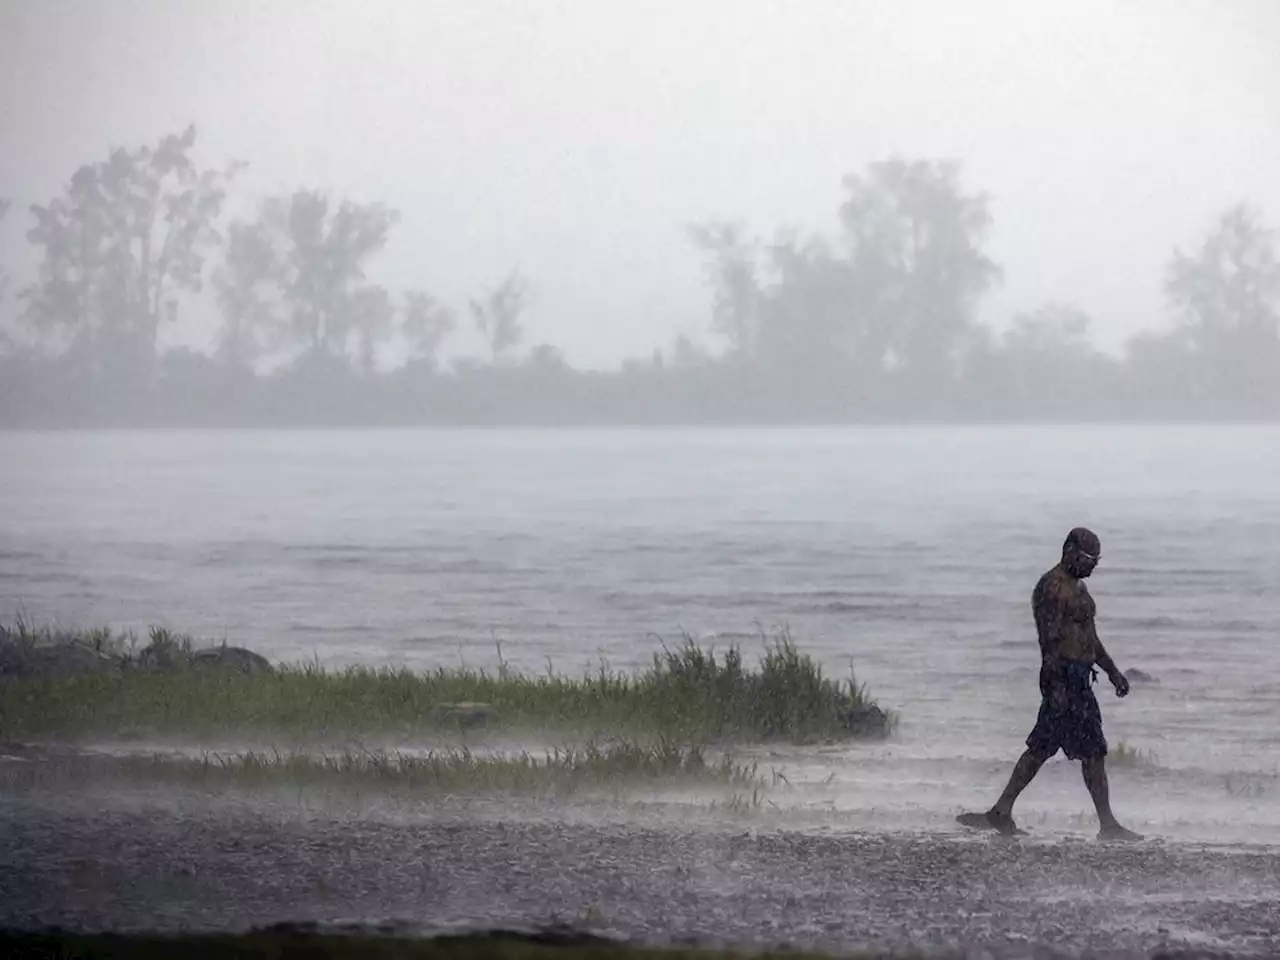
{"x": 832, "y": 850}
{"x": 909, "y": 554}
{"x": 899, "y": 783}
{"x": 658, "y": 872}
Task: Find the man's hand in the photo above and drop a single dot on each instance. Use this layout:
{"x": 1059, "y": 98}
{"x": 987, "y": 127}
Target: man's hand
{"x": 1121, "y": 684}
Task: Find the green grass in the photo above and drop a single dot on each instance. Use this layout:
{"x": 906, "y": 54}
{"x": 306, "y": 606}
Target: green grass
{"x": 686, "y": 692}
{"x": 1124, "y": 755}
{"x": 560, "y": 771}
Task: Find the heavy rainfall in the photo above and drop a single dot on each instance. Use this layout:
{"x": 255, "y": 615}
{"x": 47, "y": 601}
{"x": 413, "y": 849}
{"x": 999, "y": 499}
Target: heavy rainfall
{"x": 521, "y": 478}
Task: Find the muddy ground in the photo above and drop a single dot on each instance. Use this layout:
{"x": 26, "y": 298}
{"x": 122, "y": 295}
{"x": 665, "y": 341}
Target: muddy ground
{"x": 169, "y": 860}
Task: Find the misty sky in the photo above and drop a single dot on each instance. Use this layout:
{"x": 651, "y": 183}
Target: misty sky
{"x": 574, "y": 140}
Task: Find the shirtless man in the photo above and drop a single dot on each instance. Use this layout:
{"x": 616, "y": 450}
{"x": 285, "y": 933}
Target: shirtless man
{"x": 1069, "y": 717}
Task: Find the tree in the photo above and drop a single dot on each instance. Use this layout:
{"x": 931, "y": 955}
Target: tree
{"x": 371, "y": 316}
{"x": 1050, "y": 366}
{"x": 248, "y": 301}
{"x": 732, "y": 272}
{"x": 887, "y": 304}
{"x": 131, "y": 233}
{"x": 497, "y": 315}
{"x": 319, "y": 256}
{"x": 808, "y": 314}
{"x": 6, "y": 339}
{"x": 424, "y": 324}
{"x": 547, "y": 358}
{"x": 687, "y": 355}
{"x": 914, "y": 241}
{"x": 4, "y": 274}
{"x": 1057, "y": 329}
{"x": 1226, "y": 297}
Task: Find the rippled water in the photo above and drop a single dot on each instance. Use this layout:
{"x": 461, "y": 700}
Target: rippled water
{"x": 910, "y": 553}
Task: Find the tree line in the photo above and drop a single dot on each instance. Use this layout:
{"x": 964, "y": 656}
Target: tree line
{"x": 875, "y": 323}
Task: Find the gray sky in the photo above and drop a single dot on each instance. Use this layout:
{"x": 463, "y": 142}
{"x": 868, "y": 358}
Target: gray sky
{"x": 575, "y": 139}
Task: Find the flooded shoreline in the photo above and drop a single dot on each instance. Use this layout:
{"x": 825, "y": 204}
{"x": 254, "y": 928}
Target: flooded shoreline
{"x": 660, "y": 873}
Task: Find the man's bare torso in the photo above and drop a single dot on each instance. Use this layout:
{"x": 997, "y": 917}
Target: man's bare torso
{"x": 1064, "y": 614}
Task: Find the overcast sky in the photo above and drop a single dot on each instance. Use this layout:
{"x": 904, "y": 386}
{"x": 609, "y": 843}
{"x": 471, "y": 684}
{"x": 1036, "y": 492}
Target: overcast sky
{"x": 574, "y": 140}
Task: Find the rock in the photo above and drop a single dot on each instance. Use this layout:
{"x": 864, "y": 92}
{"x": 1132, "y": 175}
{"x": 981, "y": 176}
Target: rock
{"x": 69, "y": 657}
{"x": 49, "y": 660}
{"x": 868, "y": 720}
{"x": 172, "y": 656}
{"x": 1139, "y": 676}
{"x": 466, "y": 714}
{"x": 162, "y": 656}
{"x": 236, "y": 658}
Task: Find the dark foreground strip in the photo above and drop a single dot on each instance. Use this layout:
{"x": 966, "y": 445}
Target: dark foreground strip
{"x": 286, "y": 942}
{"x": 295, "y": 942}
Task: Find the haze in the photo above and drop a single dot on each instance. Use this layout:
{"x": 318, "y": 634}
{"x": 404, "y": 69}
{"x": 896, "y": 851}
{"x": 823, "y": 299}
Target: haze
{"x": 575, "y": 141}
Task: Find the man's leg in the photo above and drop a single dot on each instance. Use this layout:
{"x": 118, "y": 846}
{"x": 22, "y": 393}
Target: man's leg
{"x": 1024, "y": 771}
{"x": 1042, "y": 743}
{"x": 1095, "y": 778}
{"x": 1000, "y": 816}
{"x": 1089, "y": 743}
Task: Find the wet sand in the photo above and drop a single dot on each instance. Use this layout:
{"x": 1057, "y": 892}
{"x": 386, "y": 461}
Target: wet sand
{"x": 661, "y": 873}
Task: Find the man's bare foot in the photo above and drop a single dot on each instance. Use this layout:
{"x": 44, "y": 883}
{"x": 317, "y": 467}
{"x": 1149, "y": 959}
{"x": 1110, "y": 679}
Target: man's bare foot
{"x": 991, "y": 820}
{"x": 1114, "y": 833}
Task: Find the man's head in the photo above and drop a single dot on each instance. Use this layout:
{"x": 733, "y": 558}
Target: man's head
{"x": 1080, "y": 552}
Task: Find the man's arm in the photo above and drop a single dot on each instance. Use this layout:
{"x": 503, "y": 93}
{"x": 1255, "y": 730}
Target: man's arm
{"x": 1103, "y": 659}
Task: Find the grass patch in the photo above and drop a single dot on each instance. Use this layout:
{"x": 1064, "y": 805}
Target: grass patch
{"x": 560, "y": 771}
{"x": 1124, "y": 755}
{"x": 687, "y": 692}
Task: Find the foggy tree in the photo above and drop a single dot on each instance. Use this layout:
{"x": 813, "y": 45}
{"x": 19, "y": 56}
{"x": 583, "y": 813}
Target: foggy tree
{"x": 547, "y": 356}
{"x": 131, "y": 233}
{"x": 789, "y": 304}
{"x": 243, "y": 283}
{"x": 6, "y": 338}
{"x": 895, "y": 291}
{"x": 1055, "y": 329}
{"x": 4, "y": 274}
{"x": 915, "y": 250}
{"x": 548, "y": 359}
{"x": 733, "y": 274}
{"x": 1052, "y": 364}
{"x": 320, "y": 256}
{"x": 866, "y": 322}
{"x": 808, "y": 314}
{"x": 424, "y": 324}
{"x": 371, "y": 316}
{"x": 1226, "y": 297}
{"x": 497, "y": 315}
{"x": 687, "y": 355}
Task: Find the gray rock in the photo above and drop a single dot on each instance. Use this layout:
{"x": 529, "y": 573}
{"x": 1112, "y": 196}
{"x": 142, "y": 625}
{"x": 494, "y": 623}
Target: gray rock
{"x": 48, "y": 660}
{"x": 161, "y": 657}
{"x": 465, "y": 714}
{"x": 235, "y": 658}
{"x": 867, "y": 720}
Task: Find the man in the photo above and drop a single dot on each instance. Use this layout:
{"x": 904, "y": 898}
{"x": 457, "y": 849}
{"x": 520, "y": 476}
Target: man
{"x": 1069, "y": 718}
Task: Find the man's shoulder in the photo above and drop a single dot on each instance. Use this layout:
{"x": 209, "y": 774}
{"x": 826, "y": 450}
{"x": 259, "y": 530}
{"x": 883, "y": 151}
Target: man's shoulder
{"x": 1055, "y": 587}
{"x": 1050, "y": 581}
